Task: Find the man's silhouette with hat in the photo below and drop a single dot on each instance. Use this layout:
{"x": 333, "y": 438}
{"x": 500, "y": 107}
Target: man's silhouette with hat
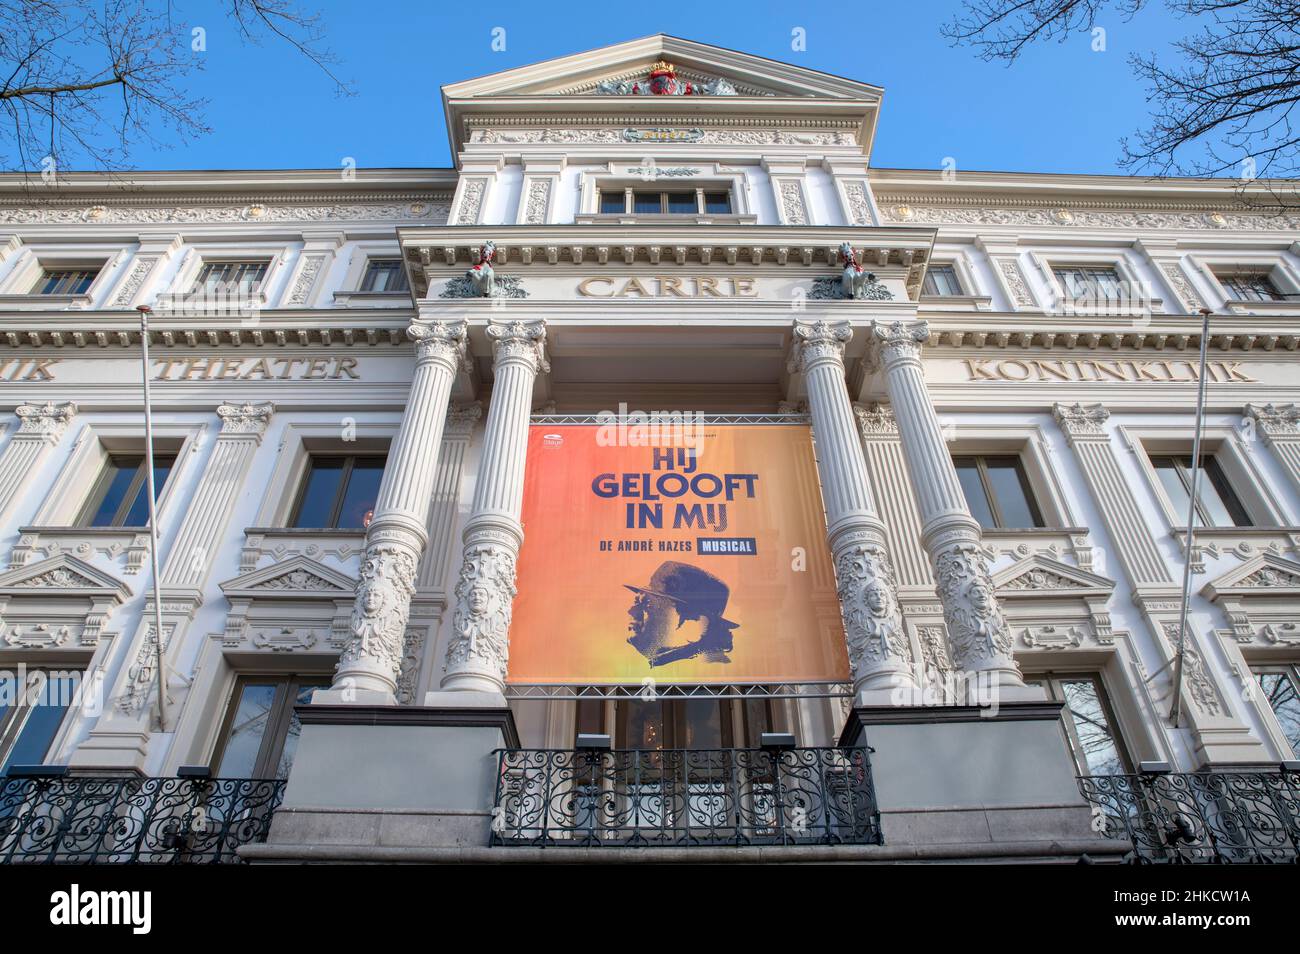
{"x": 678, "y": 593}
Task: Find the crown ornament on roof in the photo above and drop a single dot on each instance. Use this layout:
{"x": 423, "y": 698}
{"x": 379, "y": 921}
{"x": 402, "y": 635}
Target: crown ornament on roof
{"x": 663, "y": 81}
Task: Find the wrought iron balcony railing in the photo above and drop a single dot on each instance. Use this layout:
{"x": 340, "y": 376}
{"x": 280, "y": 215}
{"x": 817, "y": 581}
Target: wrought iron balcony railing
{"x": 685, "y": 797}
{"x": 75, "y": 820}
{"x": 1205, "y": 817}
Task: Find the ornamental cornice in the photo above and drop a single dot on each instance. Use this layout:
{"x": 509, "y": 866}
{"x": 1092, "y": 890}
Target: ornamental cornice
{"x": 393, "y": 333}
{"x": 97, "y": 210}
{"x": 1072, "y": 213}
{"x": 606, "y": 119}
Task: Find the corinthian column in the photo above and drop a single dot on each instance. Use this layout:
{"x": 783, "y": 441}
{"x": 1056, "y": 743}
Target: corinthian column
{"x": 880, "y": 652}
{"x": 480, "y": 642}
{"x": 978, "y": 635}
{"x": 397, "y": 536}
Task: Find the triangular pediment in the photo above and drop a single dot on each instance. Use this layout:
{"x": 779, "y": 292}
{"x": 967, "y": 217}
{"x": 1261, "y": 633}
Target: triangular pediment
{"x": 1041, "y": 575}
{"x": 296, "y": 578}
{"x": 62, "y": 575}
{"x": 1265, "y": 575}
{"x": 697, "y": 63}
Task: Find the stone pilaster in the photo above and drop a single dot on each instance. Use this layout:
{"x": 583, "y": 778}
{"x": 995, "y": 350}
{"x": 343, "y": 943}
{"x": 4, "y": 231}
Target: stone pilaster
{"x": 978, "y": 634}
{"x": 1279, "y": 424}
{"x": 39, "y": 428}
{"x": 120, "y": 736}
{"x": 880, "y": 652}
{"x": 479, "y": 647}
{"x": 370, "y": 663}
{"x": 1085, "y": 430}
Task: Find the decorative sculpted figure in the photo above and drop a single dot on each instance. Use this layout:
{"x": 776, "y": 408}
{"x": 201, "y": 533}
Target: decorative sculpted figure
{"x": 481, "y": 275}
{"x": 379, "y": 616}
{"x": 872, "y": 623}
{"x": 975, "y": 625}
{"x": 853, "y": 280}
{"x": 481, "y": 625}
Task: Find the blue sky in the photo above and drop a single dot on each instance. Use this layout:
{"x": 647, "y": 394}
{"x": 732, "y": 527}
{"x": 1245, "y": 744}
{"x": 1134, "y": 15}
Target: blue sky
{"x": 1062, "y": 108}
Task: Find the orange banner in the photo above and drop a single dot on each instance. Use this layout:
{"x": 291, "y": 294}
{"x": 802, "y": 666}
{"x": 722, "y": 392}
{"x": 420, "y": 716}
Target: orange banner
{"x": 700, "y": 564}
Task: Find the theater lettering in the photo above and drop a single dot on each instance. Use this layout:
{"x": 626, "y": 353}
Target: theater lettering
{"x": 664, "y": 286}
{"x": 1091, "y": 371}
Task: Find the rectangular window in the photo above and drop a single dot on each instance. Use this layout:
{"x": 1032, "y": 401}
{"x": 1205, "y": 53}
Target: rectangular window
{"x": 1090, "y": 283}
{"x": 1217, "y": 504}
{"x": 1249, "y": 286}
{"x": 717, "y": 203}
{"x": 1087, "y": 720}
{"x": 65, "y": 281}
{"x": 30, "y": 715}
{"x": 384, "y": 275}
{"x": 119, "y": 496}
{"x": 339, "y": 492}
{"x": 666, "y": 203}
{"x": 941, "y": 280}
{"x": 997, "y": 492}
{"x": 260, "y": 733}
{"x": 1281, "y": 685}
{"x": 230, "y": 278}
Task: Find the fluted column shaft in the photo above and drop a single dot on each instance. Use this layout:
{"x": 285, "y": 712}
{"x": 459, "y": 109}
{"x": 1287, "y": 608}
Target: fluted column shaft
{"x": 978, "y": 634}
{"x": 397, "y": 536}
{"x": 880, "y": 652}
{"x": 479, "y": 649}
{"x": 1280, "y": 425}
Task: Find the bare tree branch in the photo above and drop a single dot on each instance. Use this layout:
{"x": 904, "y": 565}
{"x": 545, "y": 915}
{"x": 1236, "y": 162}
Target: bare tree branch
{"x": 1223, "y": 99}
{"x": 87, "y": 81}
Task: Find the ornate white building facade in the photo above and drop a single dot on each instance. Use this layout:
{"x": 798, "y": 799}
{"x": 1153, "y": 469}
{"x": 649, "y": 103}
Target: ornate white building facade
{"x": 1003, "y": 415}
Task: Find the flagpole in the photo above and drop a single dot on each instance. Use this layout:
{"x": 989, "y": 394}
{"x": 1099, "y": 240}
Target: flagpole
{"x": 144, "y": 311}
{"x": 1176, "y": 711}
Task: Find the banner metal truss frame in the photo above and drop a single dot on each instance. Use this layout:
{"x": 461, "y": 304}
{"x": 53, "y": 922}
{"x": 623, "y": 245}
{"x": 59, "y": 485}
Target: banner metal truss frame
{"x": 651, "y": 690}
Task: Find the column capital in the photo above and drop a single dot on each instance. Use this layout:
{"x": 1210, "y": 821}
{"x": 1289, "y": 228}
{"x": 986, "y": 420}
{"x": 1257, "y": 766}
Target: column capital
{"x": 244, "y": 420}
{"x": 462, "y": 419}
{"x": 817, "y": 342}
{"x": 1081, "y": 420}
{"x": 444, "y": 341}
{"x": 46, "y": 421}
{"x": 519, "y": 341}
{"x": 876, "y": 421}
{"x": 1276, "y": 420}
{"x": 900, "y": 339}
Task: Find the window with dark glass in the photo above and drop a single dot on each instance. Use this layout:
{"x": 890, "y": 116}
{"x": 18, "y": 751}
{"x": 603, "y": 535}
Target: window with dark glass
{"x": 717, "y": 203}
{"x": 645, "y": 202}
{"x": 260, "y": 733}
{"x": 226, "y": 278}
{"x": 997, "y": 492}
{"x": 31, "y": 713}
{"x": 339, "y": 492}
{"x": 1217, "y": 505}
{"x": 384, "y": 275}
{"x": 65, "y": 281}
{"x": 1281, "y": 687}
{"x": 941, "y": 280}
{"x": 1087, "y": 720}
{"x": 613, "y": 201}
{"x": 120, "y": 496}
{"x": 1087, "y": 282}
{"x": 1250, "y": 286}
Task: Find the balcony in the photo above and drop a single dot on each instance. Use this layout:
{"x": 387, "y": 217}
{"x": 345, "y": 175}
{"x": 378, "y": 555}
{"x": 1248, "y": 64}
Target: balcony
{"x": 684, "y": 798}
{"x": 49, "y": 818}
{"x": 1200, "y": 818}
